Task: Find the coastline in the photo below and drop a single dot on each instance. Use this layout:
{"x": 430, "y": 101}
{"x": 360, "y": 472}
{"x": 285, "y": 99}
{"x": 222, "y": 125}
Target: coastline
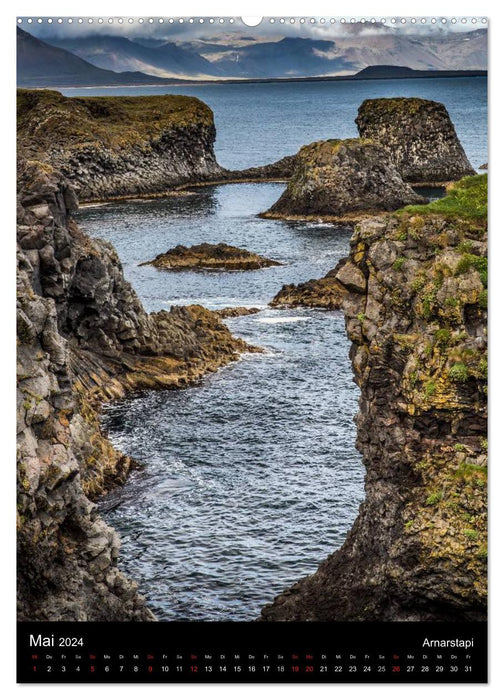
{"x": 248, "y": 81}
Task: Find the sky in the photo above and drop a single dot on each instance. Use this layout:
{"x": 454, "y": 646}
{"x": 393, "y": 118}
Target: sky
{"x": 172, "y": 29}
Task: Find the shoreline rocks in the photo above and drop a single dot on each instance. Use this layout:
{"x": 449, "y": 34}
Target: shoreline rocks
{"x": 324, "y": 293}
{"x": 208, "y": 256}
{"x": 343, "y": 178}
{"x": 419, "y": 137}
{"x": 415, "y": 311}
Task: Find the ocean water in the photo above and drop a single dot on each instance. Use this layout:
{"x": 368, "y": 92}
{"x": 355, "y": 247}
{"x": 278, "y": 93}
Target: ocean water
{"x": 251, "y": 477}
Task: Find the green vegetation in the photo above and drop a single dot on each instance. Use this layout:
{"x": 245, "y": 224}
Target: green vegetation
{"x": 442, "y": 336}
{"x": 398, "y": 263}
{"x": 459, "y": 372}
{"x": 434, "y": 498}
{"x": 419, "y": 282}
{"x": 465, "y": 199}
{"x": 469, "y": 469}
{"x": 473, "y": 262}
{"x": 428, "y": 300}
{"x": 464, "y": 247}
{"x": 397, "y": 105}
{"x": 430, "y": 388}
{"x": 483, "y": 553}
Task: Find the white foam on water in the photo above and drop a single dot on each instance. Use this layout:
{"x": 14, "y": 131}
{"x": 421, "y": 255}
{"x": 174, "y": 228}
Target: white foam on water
{"x": 282, "y": 319}
{"x": 95, "y": 205}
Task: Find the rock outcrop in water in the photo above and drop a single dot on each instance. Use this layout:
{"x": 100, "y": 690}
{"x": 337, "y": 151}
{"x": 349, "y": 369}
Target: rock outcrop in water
{"x": 419, "y": 137}
{"x": 83, "y": 337}
{"x": 235, "y": 311}
{"x": 418, "y": 327}
{"x": 325, "y": 293}
{"x": 281, "y": 169}
{"x": 119, "y": 146}
{"x": 342, "y": 179}
{"x": 218, "y": 256}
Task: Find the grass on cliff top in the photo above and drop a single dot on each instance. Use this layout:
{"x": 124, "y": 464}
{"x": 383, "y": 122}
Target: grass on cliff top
{"x": 465, "y": 199}
{"x": 45, "y": 118}
{"x": 397, "y": 105}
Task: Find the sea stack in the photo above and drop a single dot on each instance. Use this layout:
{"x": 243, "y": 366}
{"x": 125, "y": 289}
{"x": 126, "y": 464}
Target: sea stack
{"x": 419, "y": 137}
{"x": 343, "y": 178}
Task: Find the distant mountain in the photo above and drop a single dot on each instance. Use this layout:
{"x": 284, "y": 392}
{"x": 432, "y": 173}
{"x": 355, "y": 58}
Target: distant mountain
{"x": 292, "y": 56}
{"x": 358, "y": 47}
{"x": 118, "y": 53}
{"x": 42, "y": 65}
{"x": 390, "y": 72}
{"x": 374, "y": 72}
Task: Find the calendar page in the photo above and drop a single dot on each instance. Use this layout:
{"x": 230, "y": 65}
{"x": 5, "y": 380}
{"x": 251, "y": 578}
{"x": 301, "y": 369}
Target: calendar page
{"x": 252, "y": 349}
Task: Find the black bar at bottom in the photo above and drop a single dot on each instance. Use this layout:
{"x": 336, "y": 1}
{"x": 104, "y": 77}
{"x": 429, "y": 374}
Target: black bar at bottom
{"x": 252, "y": 652}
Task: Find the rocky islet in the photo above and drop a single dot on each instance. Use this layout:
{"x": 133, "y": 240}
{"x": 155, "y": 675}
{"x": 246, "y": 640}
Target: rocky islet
{"x": 208, "y": 256}
{"x": 343, "y": 180}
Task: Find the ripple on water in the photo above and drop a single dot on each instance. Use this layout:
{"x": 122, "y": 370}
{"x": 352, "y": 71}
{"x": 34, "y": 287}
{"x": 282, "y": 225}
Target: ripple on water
{"x": 252, "y": 477}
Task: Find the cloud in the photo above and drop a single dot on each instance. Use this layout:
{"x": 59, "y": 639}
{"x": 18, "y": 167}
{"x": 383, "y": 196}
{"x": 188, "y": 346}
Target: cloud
{"x": 187, "y": 30}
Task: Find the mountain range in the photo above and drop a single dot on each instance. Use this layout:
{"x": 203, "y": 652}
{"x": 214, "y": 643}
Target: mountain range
{"x": 41, "y": 65}
{"x": 95, "y": 59}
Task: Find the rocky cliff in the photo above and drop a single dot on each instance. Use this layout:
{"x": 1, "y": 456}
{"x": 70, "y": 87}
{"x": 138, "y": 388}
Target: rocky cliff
{"x": 418, "y": 136}
{"x": 83, "y": 337}
{"x": 119, "y": 146}
{"x": 418, "y": 325}
{"x": 344, "y": 179}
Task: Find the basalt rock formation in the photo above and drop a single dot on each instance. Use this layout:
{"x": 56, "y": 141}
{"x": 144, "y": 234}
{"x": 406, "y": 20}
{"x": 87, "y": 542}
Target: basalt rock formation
{"x": 218, "y": 256}
{"x": 342, "y": 179}
{"x": 325, "y": 293}
{"x": 119, "y": 146}
{"x": 418, "y": 327}
{"x": 83, "y": 337}
{"x": 419, "y": 137}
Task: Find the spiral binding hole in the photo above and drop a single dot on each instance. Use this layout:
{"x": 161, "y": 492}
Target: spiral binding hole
{"x": 395, "y": 21}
